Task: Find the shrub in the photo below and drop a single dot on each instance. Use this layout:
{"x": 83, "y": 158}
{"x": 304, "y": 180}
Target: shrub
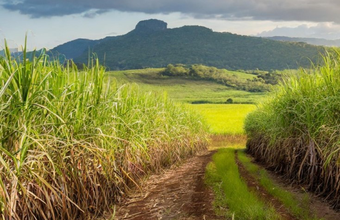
{"x": 229, "y": 101}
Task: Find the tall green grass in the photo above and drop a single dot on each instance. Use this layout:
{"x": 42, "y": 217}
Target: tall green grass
{"x": 71, "y": 142}
{"x": 297, "y": 130}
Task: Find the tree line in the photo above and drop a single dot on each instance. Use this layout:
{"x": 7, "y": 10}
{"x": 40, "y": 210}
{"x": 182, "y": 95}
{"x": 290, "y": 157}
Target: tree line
{"x": 263, "y": 80}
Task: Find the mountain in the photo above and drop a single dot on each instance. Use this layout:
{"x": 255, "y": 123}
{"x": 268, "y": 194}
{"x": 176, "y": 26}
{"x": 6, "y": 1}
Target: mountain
{"x": 15, "y": 53}
{"x": 312, "y": 41}
{"x": 11, "y": 50}
{"x": 74, "y": 48}
{"x": 152, "y": 44}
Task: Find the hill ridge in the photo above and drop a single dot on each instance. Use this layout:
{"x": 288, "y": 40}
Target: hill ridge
{"x": 152, "y": 44}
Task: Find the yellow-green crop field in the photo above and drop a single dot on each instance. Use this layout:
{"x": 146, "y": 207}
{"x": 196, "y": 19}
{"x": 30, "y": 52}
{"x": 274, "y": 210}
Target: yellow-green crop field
{"x": 223, "y": 118}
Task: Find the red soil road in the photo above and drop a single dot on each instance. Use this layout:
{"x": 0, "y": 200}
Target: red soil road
{"x": 179, "y": 193}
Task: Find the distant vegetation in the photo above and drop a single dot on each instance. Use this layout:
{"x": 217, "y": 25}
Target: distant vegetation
{"x": 71, "y": 143}
{"x": 151, "y": 44}
{"x": 312, "y": 41}
{"x": 297, "y": 130}
{"x": 263, "y": 82}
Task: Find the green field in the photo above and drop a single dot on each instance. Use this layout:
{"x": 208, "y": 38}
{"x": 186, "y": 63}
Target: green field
{"x": 187, "y": 90}
{"x": 241, "y": 74}
{"x": 225, "y": 119}
{"x": 221, "y": 118}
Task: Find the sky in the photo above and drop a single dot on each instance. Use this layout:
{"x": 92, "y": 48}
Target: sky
{"x": 49, "y": 23}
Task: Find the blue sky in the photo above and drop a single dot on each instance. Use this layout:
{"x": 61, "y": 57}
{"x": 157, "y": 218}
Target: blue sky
{"x": 49, "y": 23}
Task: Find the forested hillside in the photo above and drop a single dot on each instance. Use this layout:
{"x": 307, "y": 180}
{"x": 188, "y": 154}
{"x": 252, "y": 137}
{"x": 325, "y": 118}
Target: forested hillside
{"x": 152, "y": 44}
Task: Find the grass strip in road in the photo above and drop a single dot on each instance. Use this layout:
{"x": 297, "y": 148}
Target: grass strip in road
{"x": 297, "y": 206}
{"x": 232, "y": 196}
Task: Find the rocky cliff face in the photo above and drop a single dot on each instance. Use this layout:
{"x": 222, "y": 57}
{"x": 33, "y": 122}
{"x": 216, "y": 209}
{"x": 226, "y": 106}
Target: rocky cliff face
{"x": 151, "y": 25}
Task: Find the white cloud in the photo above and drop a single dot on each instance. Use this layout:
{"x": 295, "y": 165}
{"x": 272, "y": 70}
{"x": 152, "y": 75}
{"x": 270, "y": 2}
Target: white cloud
{"x": 326, "y": 30}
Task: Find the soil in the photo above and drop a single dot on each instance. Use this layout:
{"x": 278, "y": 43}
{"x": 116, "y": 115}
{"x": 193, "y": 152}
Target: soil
{"x": 179, "y": 193}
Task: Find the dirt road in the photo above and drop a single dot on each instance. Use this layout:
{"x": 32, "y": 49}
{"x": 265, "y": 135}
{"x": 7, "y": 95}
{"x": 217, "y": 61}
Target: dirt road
{"x": 179, "y": 193}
